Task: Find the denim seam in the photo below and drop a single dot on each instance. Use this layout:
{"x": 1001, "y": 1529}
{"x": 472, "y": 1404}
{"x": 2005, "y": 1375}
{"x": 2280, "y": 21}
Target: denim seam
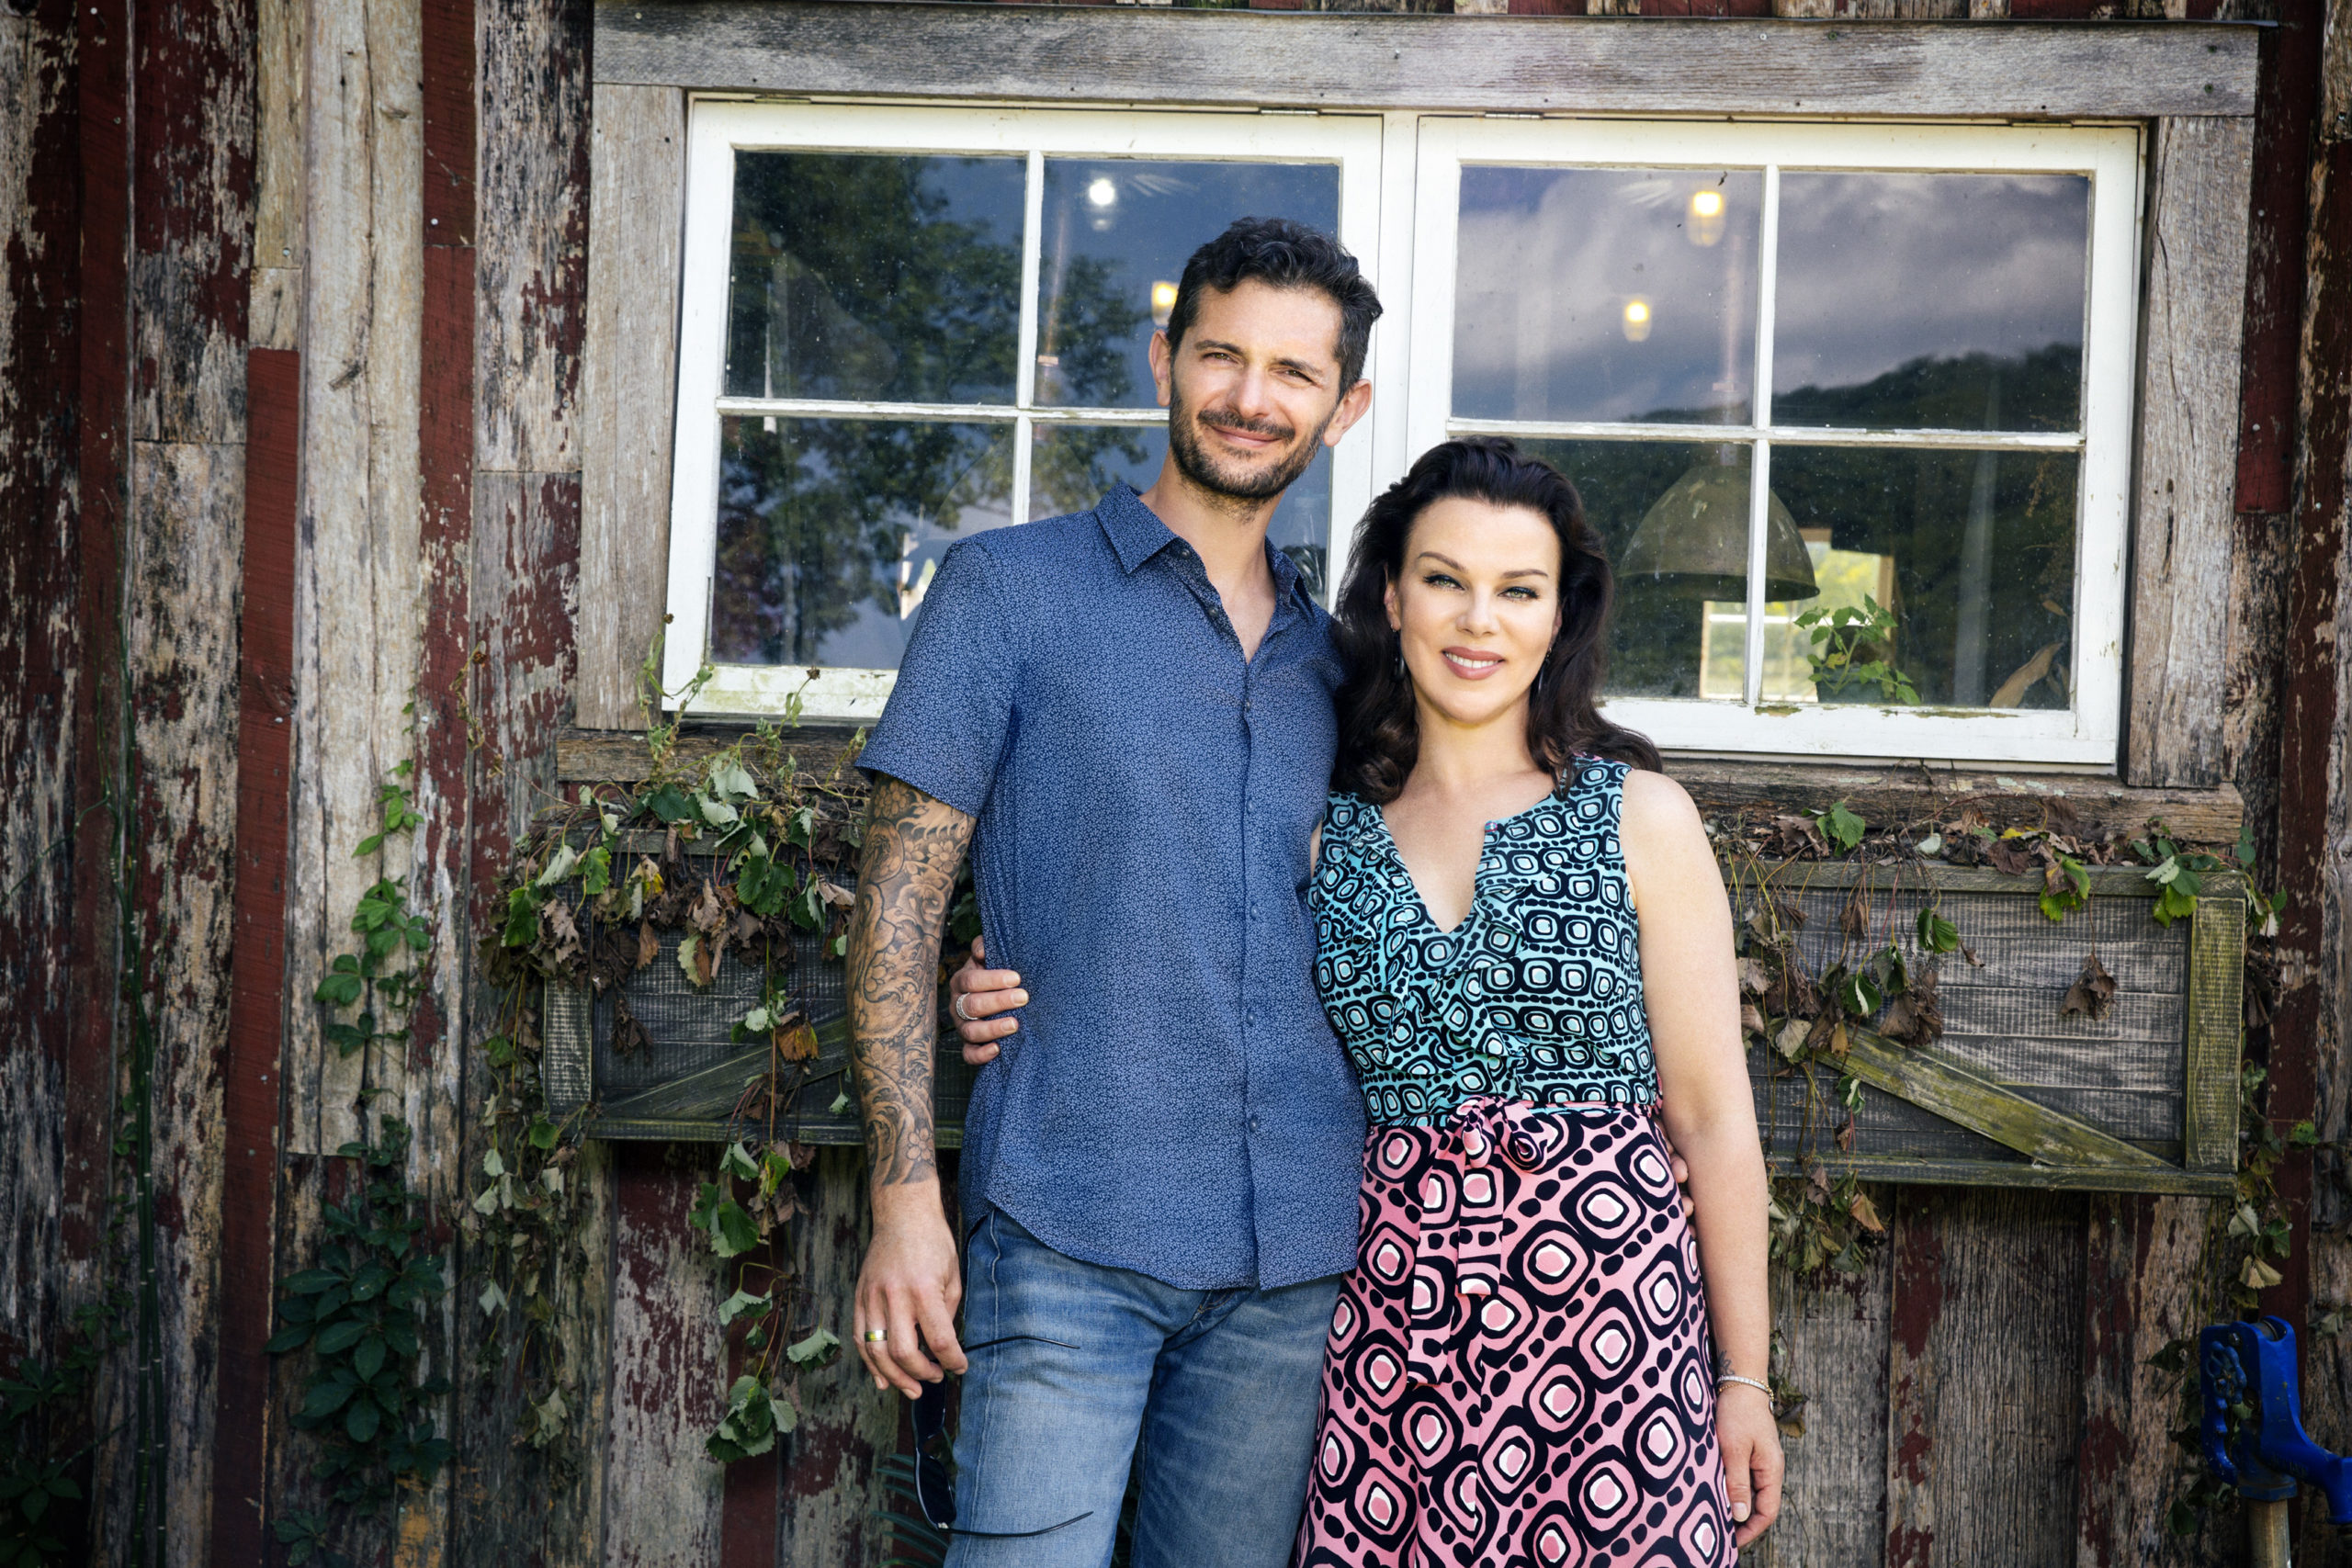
{"x": 996, "y": 1325}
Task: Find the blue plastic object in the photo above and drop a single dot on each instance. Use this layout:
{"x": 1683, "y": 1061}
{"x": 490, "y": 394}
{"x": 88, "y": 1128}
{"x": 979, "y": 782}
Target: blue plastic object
{"x": 2252, "y": 1365}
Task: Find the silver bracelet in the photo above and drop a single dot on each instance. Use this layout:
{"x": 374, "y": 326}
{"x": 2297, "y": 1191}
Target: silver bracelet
{"x": 1722, "y": 1378}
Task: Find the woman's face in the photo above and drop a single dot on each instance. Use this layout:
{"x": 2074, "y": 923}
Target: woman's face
{"x": 1476, "y": 604}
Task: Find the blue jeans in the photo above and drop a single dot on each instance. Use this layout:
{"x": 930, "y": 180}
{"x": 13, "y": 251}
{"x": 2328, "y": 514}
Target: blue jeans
{"x": 1219, "y": 1386}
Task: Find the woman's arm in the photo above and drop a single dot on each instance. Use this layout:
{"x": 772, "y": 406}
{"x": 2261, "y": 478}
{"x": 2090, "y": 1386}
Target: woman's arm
{"x": 1691, "y": 982}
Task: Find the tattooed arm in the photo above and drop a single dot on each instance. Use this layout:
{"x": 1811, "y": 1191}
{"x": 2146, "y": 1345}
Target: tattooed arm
{"x": 910, "y": 1283}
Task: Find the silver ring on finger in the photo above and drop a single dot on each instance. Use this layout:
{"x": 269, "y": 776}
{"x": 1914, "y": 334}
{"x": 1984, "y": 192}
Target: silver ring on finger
{"x": 956, "y": 1005}
{"x": 876, "y": 1335}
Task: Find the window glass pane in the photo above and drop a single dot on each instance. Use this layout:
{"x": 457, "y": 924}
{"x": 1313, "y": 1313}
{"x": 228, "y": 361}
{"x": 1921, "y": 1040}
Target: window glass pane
{"x": 1969, "y": 558}
{"x": 1116, "y": 235}
{"x": 876, "y": 277}
{"x": 1606, "y": 294}
{"x": 829, "y": 531}
{"x": 1070, "y": 466}
{"x": 1674, "y": 519}
{"x": 1939, "y": 301}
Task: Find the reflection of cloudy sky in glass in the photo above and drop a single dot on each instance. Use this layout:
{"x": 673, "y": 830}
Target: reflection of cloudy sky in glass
{"x": 1132, "y": 222}
{"x": 1878, "y": 269}
{"x": 1549, "y": 261}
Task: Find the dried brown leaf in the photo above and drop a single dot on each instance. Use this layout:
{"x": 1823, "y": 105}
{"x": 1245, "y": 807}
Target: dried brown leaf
{"x": 1754, "y": 978}
{"x": 2008, "y": 856}
{"x": 649, "y": 946}
{"x": 2091, "y": 994}
{"x": 1866, "y": 1214}
{"x": 796, "y": 1044}
{"x": 1751, "y": 1022}
{"x": 629, "y": 1038}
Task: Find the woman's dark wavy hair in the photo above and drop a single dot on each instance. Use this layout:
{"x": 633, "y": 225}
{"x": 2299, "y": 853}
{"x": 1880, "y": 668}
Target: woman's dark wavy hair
{"x": 1379, "y": 728}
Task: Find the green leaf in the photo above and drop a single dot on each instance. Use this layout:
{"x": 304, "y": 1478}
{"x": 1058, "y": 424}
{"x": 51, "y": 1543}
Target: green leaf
{"x": 341, "y": 1336}
{"x": 369, "y": 846}
{"x": 293, "y": 1336}
{"x": 339, "y": 990}
{"x": 686, "y": 957}
{"x": 522, "y": 918}
{"x": 558, "y": 867}
{"x": 311, "y": 1281}
{"x": 1845, "y": 828}
{"x": 818, "y": 1349}
{"x": 542, "y": 1133}
{"x": 1936, "y": 934}
{"x": 730, "y": 781}
{"x": 671, "y": 804}
{"x": 325, "y": 1399}
{"x": 361, "y": 1421}
{"x": 718, "y": 813}
{"x": 743, "y": 1302}
{"x": 733, "y": 1232}
{"x": 368, "y": 1359}
{"x": 737, "y": 1162}
{"x": 595, "y": 870}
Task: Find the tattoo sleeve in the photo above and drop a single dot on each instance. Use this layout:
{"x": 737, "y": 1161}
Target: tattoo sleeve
{"x": 907, "y": 873}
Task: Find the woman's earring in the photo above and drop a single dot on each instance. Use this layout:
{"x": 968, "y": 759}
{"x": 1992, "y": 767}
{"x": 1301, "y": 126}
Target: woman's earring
{"x": 1400, "y": 661}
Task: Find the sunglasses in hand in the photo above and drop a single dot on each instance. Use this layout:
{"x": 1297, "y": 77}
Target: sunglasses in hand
{"x": 934, "y": 1490}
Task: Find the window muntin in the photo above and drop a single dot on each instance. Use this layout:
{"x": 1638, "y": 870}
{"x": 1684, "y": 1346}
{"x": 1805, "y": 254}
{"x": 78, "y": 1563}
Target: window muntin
{"x": 1950, "y": 440}
{"x": 903, "y": 326}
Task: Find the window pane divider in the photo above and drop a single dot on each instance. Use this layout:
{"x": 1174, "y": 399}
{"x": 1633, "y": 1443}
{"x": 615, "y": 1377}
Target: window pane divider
{"x": 962, "y": 414}
{"x": 1760, "y": 464}
{"x": 1783, "y": 435}
{"x": 1024, "y": 374}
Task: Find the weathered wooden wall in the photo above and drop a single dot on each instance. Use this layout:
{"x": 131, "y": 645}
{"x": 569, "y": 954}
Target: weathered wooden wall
{"x": 317, "y": 404}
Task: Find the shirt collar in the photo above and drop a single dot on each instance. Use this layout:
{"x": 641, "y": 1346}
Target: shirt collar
{"x": 1136, "y": 534}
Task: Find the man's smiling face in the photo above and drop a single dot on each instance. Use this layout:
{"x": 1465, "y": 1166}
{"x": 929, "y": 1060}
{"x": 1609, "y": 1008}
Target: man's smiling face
{"x": 1253, "y": 392}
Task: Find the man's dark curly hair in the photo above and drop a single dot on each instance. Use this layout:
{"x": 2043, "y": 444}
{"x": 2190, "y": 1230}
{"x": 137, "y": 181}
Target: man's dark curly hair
{"x": 1284, "y": 254}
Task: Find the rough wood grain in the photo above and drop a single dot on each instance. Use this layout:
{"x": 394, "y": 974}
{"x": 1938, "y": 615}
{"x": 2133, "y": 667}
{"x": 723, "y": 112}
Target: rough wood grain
{"x": 628, "y": 384}
{"x": 2142, "y": 1288}
{"x": 1983, "y": 1402}
{"x": 2309, "y": 1073}
{"x": 663, "y": 1494}
{"x": 831, "y": 1492}
{"x": 358, "y": 580}
{"x": 192, "y": 137}
{"x": 2187, "y": 490}
{"x": 1830, "y": 1340}
{"x": 252, "y": 1081}
{"x": 47, "y": 657}
{"x": 182, "y": 570}
{"x": 1461, "y": 64}
{"x": 532, "y": 254}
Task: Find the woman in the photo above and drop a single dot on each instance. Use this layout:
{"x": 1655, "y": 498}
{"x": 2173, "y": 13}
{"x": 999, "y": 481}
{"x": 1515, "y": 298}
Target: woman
{"x": 1519, "y": 1366}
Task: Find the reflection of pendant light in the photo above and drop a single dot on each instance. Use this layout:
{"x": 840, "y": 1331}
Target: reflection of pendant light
{"x": 1706, "y": 217}
{"x": 1637, "y": 320}
{"x": 1693, "y": 542}
{"x": 1164, "y": 301}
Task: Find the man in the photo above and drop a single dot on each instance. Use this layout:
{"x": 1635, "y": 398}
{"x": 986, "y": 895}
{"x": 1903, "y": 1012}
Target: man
{"x": 1126, "y": 715}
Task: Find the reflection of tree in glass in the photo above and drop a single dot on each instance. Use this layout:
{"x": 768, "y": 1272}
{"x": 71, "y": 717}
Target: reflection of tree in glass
{"x": 1086, "y": 335}
{"x": 852, "y": 280}
{"x": 813, "y": 518}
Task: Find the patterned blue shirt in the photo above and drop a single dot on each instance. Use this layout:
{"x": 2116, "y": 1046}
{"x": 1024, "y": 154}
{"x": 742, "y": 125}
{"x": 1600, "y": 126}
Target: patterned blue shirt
{"x": 1175, "y": 1103}
{"x": 1536, "y": 996}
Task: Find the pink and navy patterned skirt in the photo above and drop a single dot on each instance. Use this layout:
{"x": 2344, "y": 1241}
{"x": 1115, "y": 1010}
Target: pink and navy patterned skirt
{"x": 1520, "y": 1369}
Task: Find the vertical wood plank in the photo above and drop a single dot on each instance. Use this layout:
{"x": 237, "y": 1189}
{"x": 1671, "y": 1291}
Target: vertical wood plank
{"x": 2143, "y": 1282}
{"x": 663, "y": 1493}
{"x": 100, "y": 63}
{"x": 1982, "y": 1378}
{"x": 181, "y": 589}
{"x": 359, "y": 580}
{"x": 1832, "y": 1336}
{"x": 628, "y": 381}
{"x": 257, "y": 973}
{"x": 532, "y": 250}
{"x": 57, "y": 665}
{"x": 2186, "y": 488}
{"x": 47, "y": 658}
{"x": 831, "y": 1490}
{"x": 275, "y": 317}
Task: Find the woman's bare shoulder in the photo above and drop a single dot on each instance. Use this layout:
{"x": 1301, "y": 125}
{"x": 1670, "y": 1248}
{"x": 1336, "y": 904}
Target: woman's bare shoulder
{"x": 1656, "y": 805}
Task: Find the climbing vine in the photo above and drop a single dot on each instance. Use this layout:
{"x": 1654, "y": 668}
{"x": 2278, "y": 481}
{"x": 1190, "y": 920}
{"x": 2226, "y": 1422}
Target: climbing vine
{"x": 360, "y": 1310}
{"x": 734, "y": 856}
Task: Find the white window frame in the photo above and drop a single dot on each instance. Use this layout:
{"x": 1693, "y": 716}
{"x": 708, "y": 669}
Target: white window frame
{"x": 719, "y": 128}
{"x": 2089, "y": 732}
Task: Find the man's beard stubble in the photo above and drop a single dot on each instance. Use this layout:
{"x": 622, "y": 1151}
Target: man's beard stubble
{"x": 1243, "y": 487}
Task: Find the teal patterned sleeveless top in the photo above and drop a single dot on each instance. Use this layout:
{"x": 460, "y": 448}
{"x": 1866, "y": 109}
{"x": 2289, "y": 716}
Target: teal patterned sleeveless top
{"x": 1536, "y": 996}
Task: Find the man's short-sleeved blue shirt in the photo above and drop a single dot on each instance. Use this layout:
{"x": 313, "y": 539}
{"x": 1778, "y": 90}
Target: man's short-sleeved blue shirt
{"x": 1175, "y": 1103}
